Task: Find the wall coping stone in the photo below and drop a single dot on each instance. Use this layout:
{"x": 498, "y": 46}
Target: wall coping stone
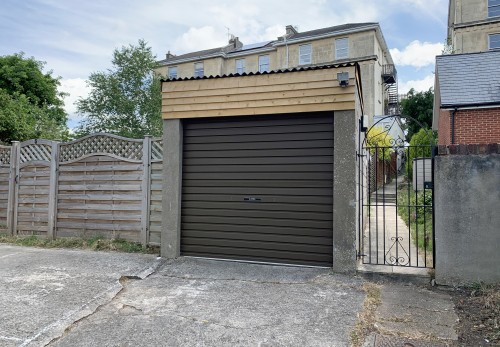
{"x": 467, "y": 149}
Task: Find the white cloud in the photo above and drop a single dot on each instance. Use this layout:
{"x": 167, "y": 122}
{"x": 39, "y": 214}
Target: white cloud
{"x": 419, "y": 85}
{"x": 196, "y": 39}
{"x": 273, "y": 32}
{"x": 417, "y": 54}
{"x": 76, "y": 88}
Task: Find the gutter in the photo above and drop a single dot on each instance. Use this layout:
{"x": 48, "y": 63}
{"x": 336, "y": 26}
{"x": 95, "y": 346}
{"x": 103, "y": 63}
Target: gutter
{"x": 492, "y": 104}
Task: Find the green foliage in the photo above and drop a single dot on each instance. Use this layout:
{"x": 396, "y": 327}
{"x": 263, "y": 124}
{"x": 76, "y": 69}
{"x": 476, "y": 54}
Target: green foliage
{"x": 94, "y": 243}
{"x": 30, "y": 104}
{"x": 448, "y": 47}
{"x": 379, "y": 142}
{"x": 415, "y": 208}
{"x": 419, "y": 106}
{"x": 420, "y": 147}
{"x": 126, "y": 99}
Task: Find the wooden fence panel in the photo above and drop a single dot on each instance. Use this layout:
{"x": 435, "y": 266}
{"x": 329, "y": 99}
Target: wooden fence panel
{"x": 100, "y": 190}
{"x": 32, "y": 206}
{"x": 5, "y": 154}
{"x": 31, "y": 197}
{"x": 155, "y": 193}
{"x": 99, "y": 185}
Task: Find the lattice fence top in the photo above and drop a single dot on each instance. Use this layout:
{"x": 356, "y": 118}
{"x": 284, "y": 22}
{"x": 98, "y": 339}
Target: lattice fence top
{"x": 101, "y": 144}
{"x": 5, "y": 155}
{"x": 35, "y": 151}
{"x": 157, "y": 149}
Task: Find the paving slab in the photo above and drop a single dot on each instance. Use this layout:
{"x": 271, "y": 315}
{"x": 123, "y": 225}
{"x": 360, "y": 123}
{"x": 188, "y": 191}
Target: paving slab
{"x": 199, "y": 302}
{"x": 43, "y": 291}
{"x": 418, "y": 313}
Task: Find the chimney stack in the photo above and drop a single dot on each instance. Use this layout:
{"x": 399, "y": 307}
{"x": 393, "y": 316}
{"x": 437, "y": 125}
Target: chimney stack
{"x": 235, "y": 42}
{"x": 290, "y": 30}
{"x": 169, "y": 55}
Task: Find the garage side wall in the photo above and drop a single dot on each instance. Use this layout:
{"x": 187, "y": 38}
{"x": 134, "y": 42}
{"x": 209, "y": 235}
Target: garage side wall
{"x": 344, "y": 191}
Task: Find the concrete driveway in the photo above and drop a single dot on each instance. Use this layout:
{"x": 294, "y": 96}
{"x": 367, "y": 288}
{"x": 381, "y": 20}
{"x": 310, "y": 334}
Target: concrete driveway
{"x": 76, "y": 298}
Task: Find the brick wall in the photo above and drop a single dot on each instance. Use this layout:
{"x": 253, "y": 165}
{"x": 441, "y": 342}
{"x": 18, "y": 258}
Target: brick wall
{"x": 444, "y": 132}
{"x": 471, "y": 126}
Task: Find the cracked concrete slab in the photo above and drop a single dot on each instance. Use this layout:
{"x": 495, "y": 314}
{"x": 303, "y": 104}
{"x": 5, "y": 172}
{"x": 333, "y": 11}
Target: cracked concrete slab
{"x": 198, "y": 302}
{"x": 43, "y": 291}
{"x": 416, "y": 312}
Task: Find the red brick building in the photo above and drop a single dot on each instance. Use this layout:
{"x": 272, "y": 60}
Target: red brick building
{"x": 467, "y": 98}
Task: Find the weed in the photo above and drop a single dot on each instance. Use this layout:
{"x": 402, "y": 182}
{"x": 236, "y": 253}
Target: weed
{"x": 96, "y": 243}
{"x": 366, "y": 319}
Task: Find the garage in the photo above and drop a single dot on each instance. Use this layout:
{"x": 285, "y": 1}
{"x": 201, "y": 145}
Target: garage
{"x": 262, "y": 167}
{"x": 259, "y": 188}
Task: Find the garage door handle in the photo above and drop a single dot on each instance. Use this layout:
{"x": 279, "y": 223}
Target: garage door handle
{"x": 251, "y": 199}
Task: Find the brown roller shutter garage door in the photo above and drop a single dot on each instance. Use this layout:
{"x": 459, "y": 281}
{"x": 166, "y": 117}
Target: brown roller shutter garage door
{"x": 259, "y": 188}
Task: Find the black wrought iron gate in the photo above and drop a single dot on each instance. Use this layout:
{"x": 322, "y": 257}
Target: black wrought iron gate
{"x": 395, "y": 195}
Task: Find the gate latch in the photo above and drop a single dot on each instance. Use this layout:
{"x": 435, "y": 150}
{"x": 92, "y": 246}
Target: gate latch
{"x": 428, "y": 185}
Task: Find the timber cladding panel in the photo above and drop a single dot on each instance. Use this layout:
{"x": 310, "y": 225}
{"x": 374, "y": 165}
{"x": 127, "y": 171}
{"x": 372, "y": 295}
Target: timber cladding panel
{"x": 259, "y": 188}
{"x": 269, "y": 93}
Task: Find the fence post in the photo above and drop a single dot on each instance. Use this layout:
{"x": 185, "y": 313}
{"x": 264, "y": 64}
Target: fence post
{"x": 53, "y": 181}
{"x": 146, "y": 188}
{"x": 11, "y": 200}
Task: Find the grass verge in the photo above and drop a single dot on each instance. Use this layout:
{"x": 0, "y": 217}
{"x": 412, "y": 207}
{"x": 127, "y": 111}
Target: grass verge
{"x": 93, "y": 243}
{"x": 366, "y": 319}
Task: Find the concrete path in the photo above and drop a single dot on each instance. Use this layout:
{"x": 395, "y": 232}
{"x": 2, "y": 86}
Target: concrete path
{"x": 195, "y": 302}
{"x": 81, "y": 298}
{"x": 85, "y": 298}
{"x": 415, "y": 316}
{"x": 43, "y": 291}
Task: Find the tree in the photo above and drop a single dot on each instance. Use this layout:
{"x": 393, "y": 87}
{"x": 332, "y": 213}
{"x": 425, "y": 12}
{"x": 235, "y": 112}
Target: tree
{"x": 420, "y": 147}
{"x": 379, "y": 139}
{"x": 126, "y": 99}
{"x": 30, "y": 104}
{"x": 418, "y": 105}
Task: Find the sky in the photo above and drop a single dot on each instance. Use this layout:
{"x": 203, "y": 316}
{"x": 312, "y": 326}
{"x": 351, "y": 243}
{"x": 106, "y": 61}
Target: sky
{"x": 76, "y": 38}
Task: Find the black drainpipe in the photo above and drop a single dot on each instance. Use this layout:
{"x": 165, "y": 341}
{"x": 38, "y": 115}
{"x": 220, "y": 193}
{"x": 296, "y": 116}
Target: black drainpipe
{"x": 453, "y": 126}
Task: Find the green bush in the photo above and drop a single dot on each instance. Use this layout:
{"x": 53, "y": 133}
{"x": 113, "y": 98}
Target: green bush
{"x": 421, "y": 145}
{"x": 415, "y": 208}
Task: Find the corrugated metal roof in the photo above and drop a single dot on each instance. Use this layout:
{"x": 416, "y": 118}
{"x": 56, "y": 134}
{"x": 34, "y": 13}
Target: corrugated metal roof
{"x": 330, "y": 30}
{"x": 319, "y": 67}
{"x": 469, "y": 79}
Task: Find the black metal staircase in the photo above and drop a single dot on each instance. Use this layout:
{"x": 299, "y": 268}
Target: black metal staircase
{"x": 390, "y": 81}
